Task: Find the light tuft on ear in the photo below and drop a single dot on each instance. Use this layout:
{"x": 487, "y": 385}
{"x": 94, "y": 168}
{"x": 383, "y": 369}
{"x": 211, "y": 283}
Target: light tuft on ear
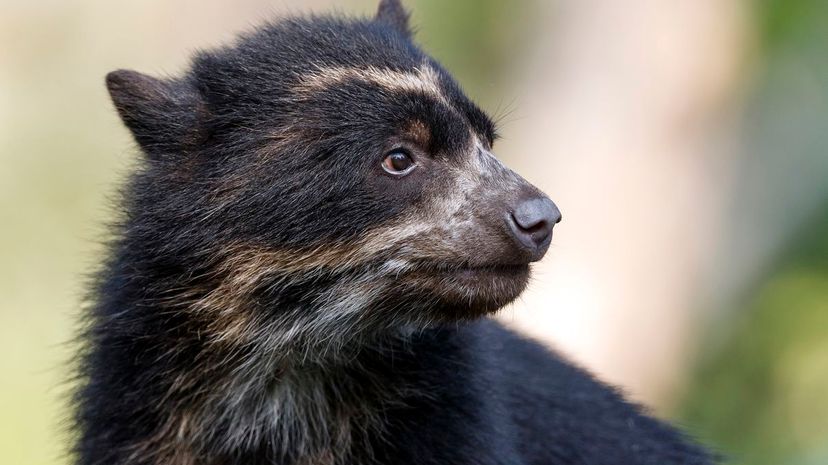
{"x": 392, "y": 13}
{"x": 161, "y": 114}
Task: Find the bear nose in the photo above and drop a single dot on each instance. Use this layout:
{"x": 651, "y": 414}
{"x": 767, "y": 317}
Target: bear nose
{"x": 531, "y": 224}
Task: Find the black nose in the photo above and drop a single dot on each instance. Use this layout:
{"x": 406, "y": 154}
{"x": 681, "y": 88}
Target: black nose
{"x": 531, "y": 223}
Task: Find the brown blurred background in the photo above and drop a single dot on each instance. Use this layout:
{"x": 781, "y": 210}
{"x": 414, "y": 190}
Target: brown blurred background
{"x": 686, "y": 143}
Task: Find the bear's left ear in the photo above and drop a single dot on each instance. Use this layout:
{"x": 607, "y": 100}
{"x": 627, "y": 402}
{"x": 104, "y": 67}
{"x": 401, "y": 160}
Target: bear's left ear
{"x": 163, "y": 115}
{"x": 392, "y": 13}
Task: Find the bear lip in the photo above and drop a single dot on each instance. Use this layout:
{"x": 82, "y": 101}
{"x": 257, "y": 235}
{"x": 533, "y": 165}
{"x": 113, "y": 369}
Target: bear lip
{"x": 487, "y": 270}
{"x": 467, "y": 268}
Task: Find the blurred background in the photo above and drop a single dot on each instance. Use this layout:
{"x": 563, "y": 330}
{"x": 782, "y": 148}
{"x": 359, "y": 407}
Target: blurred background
{"x": 686, "y": 143}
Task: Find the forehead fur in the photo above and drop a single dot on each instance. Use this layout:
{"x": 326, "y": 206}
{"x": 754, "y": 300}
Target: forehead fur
{"x": 272, "y": 58}
{"x": 271, "y": 67}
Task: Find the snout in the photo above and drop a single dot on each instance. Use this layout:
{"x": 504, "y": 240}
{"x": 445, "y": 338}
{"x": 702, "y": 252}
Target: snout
{"x": 530, "y": 221}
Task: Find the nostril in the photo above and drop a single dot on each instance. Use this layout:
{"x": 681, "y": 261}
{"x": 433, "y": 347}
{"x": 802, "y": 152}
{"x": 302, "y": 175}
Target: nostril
{"x": 533, "y": 220}
{"x": 536, "y": 213}
{"x": 530, "y": 225}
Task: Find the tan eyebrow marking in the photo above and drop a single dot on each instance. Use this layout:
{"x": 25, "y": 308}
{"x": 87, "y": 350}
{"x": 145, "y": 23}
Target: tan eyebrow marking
{"x": 419, "y": 131}
{"x": 423, "y": 79}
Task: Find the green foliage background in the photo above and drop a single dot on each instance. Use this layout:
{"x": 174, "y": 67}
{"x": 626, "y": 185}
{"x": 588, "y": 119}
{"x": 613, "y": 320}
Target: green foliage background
{"x": 760, "y": 390}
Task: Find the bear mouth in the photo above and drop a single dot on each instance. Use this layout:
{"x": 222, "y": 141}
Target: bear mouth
{"x": 479, "y": 274}
{"x": 468, "y": 291}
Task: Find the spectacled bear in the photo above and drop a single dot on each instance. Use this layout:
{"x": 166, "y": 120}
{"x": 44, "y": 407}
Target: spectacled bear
{"x": 305, "y": 266}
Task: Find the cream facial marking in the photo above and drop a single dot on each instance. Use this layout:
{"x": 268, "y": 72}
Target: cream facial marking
{"x": 423, "y": 79}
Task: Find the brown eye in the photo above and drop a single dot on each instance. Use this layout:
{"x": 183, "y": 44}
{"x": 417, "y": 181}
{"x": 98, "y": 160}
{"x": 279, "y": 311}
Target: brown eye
{"x": 398, "y": 163}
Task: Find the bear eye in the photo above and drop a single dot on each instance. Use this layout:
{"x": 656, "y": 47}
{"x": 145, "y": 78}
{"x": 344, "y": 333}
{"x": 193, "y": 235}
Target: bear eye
{"x": 398, "y": 162}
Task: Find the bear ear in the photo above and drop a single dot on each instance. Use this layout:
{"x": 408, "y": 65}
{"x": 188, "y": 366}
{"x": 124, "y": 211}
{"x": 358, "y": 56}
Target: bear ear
{"x": 392, "y": 13}
{"x": 161, "y": 114}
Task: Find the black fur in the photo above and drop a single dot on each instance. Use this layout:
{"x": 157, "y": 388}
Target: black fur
{"x": 275, "y": 297}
